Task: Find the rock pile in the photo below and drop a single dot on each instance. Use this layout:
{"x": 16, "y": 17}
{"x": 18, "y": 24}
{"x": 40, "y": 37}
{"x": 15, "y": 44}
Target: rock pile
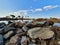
{"x": 33, "y": 33}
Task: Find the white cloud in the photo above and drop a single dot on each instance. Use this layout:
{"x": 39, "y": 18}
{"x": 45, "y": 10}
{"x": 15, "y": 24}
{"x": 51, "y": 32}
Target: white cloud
{"x": 50, "y": 7}
{"x": 38, "y": 9}
{"x": 19, "y": 12}
{"x": 24, "y": 12}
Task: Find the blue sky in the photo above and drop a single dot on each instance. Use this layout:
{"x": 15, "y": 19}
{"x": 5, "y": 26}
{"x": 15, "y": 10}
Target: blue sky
{"x": 31, "y": 8}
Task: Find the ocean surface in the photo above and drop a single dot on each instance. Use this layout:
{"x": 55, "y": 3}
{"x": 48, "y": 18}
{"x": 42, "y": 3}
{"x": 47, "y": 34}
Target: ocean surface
{"x": 57, "y": 24}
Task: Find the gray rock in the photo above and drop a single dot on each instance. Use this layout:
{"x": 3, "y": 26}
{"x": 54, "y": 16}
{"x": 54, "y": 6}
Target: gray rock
{"x": 43, "y": 33}
{"x": 24, "y": 40}
{"x": 1, "y": 40}
{"x": 1, "y": 30}
{"x": 32, "y": 44}
{"x": 2, "y": 25}
{"x": 6, "y": 29}
{"x": 19, "y": 31}
{"x": 25, "y": 28}
{"x": 7, "y": 35}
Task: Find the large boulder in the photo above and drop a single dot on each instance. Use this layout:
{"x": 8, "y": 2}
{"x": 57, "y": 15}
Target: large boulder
{"x": 43, "y": 33}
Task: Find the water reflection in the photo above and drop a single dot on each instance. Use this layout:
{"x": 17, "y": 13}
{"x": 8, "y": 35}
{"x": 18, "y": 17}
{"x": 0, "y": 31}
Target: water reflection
{"x": 6, "y": 22}
{"x": 57, "y": 24}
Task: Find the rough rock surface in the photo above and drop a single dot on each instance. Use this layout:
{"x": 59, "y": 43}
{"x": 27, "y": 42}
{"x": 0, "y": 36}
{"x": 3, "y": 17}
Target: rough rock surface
{"x": 29, "y": 33}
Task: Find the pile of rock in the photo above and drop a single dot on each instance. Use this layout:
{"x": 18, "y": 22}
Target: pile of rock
{"x": 33, "y": 33}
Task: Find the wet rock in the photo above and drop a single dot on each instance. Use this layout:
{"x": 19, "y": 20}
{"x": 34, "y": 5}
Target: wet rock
{"x": 7, "y": 35}
{"x": 1, "y": 40}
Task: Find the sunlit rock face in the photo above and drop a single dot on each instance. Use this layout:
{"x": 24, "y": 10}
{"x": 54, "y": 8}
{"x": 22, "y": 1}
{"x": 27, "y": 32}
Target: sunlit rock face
{"x": 43, "y": 33}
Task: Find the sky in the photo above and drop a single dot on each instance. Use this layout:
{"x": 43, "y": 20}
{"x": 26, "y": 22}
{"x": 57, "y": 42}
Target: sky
{"x": 31, "y": 8}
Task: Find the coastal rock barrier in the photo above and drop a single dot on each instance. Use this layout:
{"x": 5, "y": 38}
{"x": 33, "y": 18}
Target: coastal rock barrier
{"x": 29, "y": 33}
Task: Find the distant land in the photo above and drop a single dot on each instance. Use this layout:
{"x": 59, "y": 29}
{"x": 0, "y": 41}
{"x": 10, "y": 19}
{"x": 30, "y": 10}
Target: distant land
{"x": 50, "y": 19}
{"x": 38, "y": 19}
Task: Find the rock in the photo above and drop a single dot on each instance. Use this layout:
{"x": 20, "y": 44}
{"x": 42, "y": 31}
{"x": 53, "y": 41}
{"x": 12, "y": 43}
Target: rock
{"x": 48, "y": 23}
{"x": 1, "y": 30}
{"x": 6, "y": 29}
{"x": 32, "y": 44}
{"x": 43, "y": 42}
{"x": 24, "y": 40}
{"x": 20, "y": 25}
{"x": 1, "y": 40}
{"x": 15, "y": 39}
{"x": 7, "y": 35}
{"x": 8, "y": 43}
{"x": 54, "y": 42}
{"x": 56, "y": 31}
{"x": 19, "y": 31}
{"x": 43, "y": 33}
{"x": 2, "y": 25}
{"x": 25, "y": 28}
